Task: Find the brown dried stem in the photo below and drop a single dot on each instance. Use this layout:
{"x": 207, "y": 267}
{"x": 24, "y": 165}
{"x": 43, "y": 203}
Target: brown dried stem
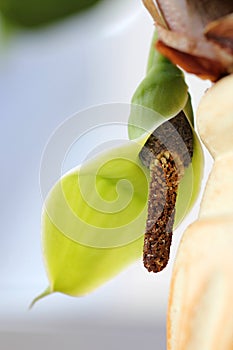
{"x": 152, "y": 9}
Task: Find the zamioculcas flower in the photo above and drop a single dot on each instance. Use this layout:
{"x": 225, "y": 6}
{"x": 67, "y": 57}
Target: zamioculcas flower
{"x": 196, "y": 35}
{"x": 95, "y": 217}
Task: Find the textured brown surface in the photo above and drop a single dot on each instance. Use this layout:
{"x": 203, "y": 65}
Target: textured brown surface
{"x": 174, "y": 135}
{"x": 167, "y": 151}
{"x": 161, "y": 212}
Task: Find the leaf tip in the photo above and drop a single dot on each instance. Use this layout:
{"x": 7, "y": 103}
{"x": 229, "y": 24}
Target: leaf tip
{"x": 39, "y": 297}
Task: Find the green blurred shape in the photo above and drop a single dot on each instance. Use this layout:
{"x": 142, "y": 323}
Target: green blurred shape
{"x": 32, "y": 13}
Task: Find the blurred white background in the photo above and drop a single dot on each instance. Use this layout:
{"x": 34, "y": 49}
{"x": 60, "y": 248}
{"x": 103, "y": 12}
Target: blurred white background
{"x": 47, "y": 75}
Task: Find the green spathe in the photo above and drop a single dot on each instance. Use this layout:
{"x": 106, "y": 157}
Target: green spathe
{"x": 78, "y": 261}
{"x": 94, "y": 218}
